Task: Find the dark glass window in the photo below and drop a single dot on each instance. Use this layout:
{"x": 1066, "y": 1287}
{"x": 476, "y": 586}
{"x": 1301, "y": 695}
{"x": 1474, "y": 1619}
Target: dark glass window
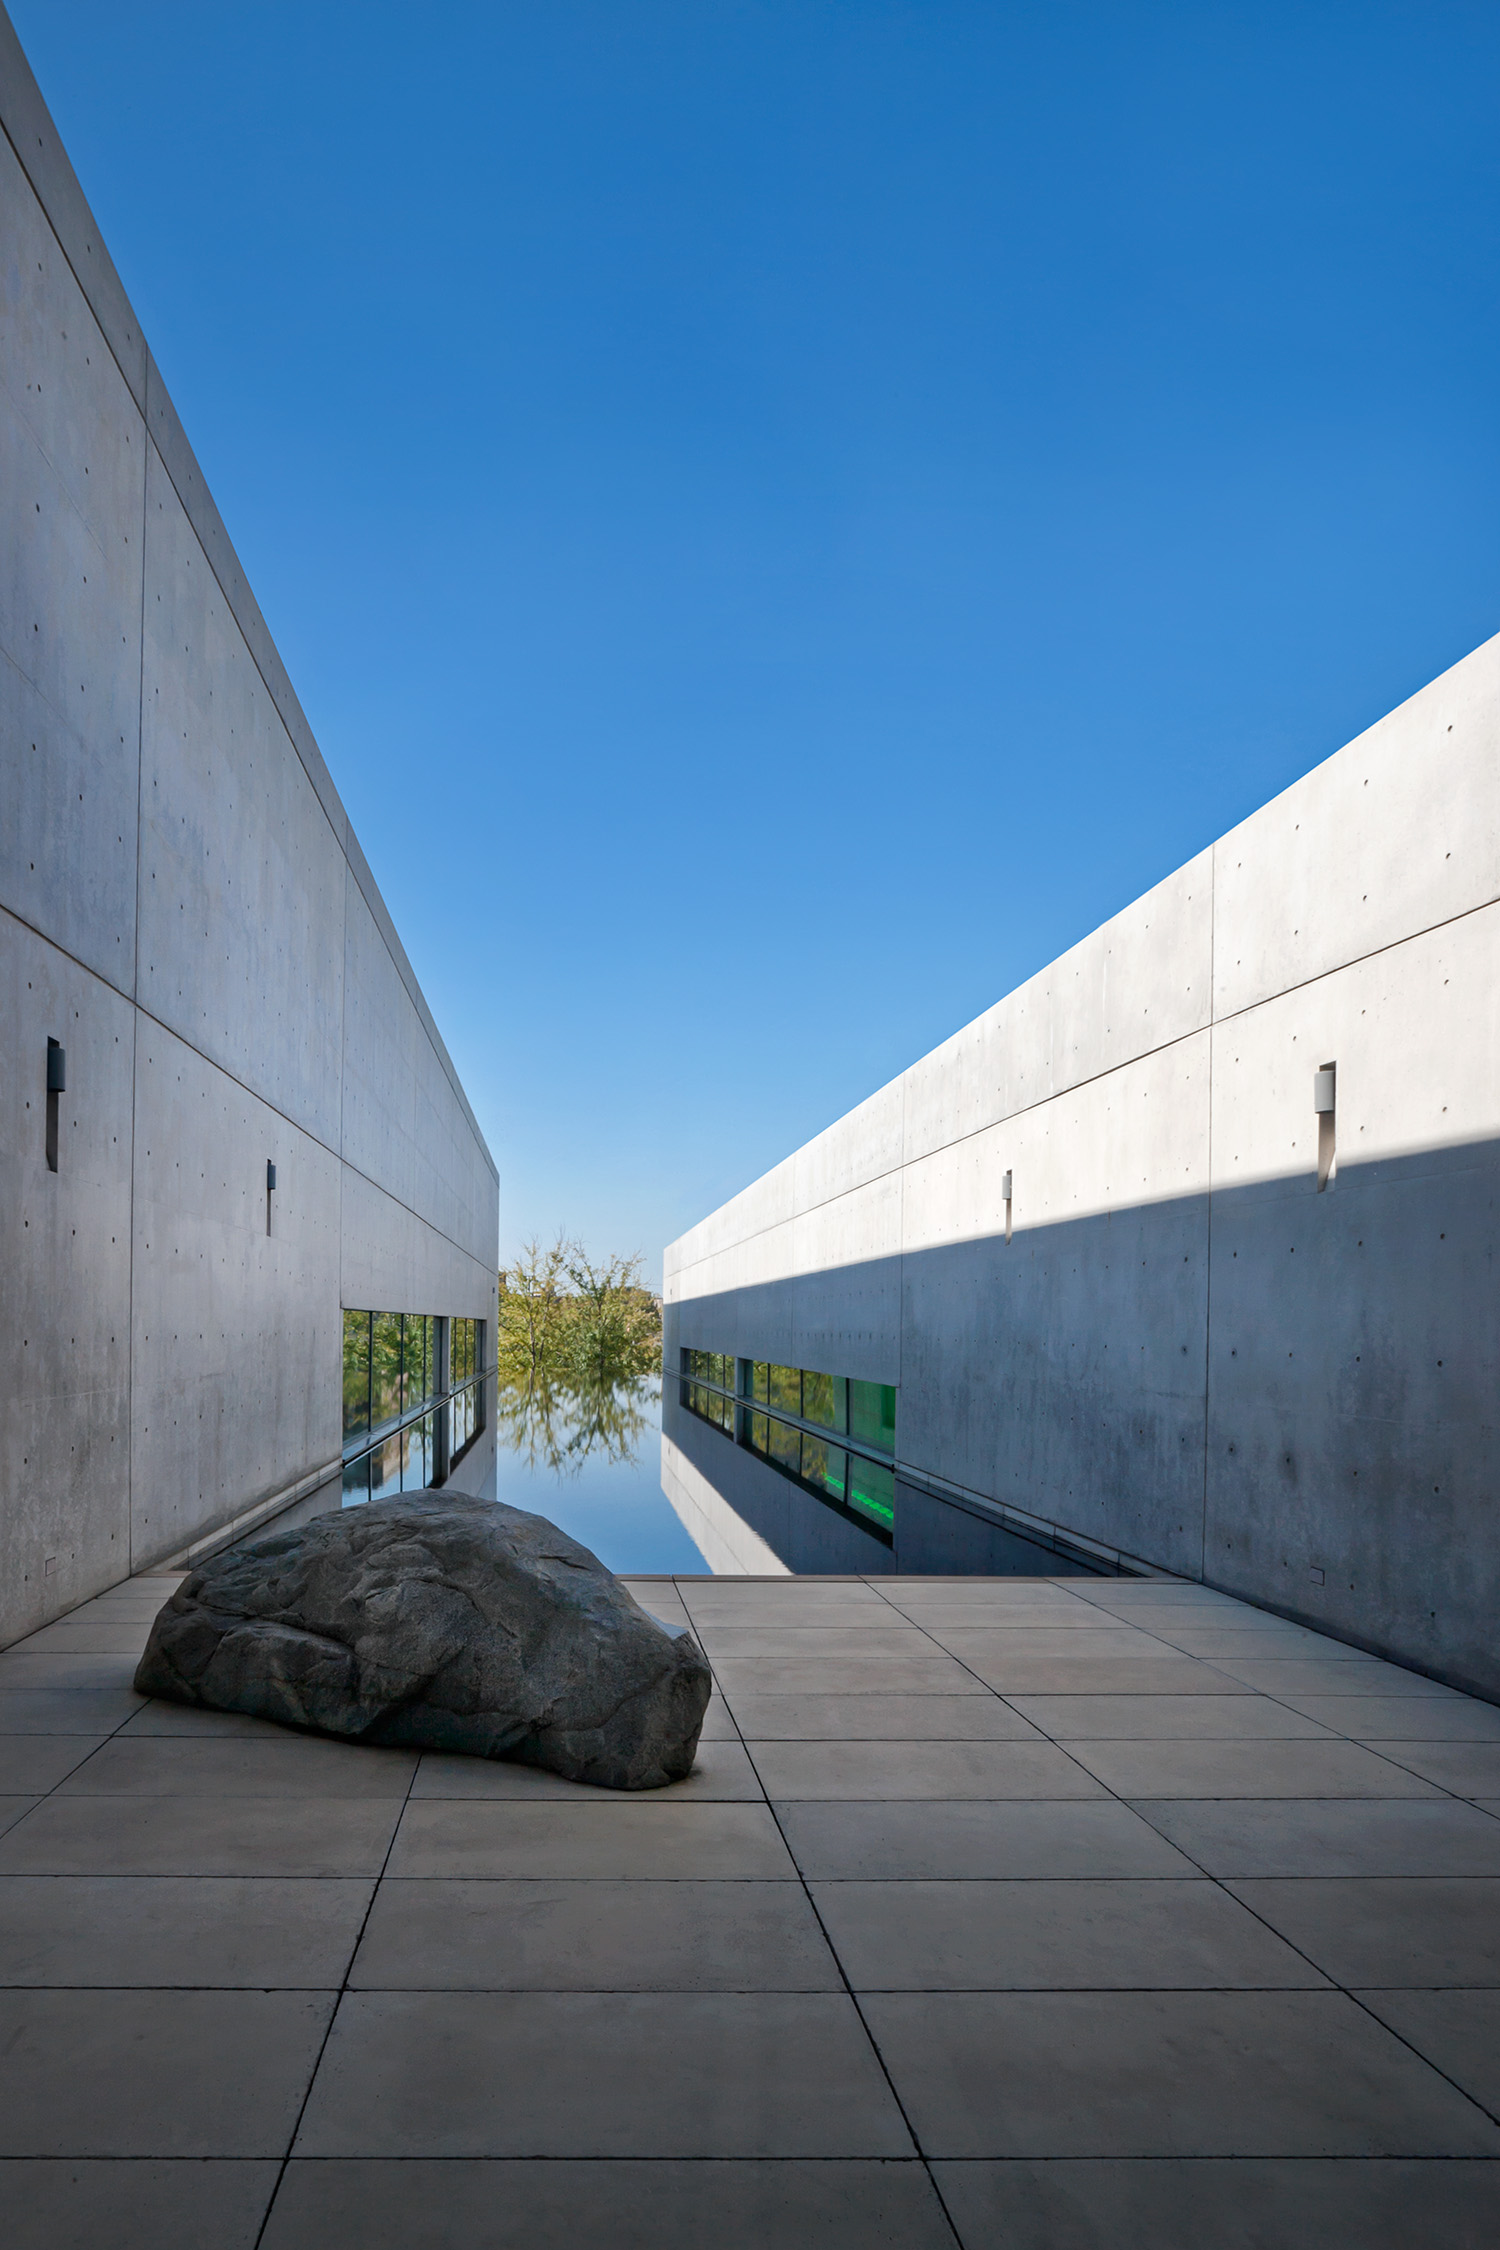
{"x": 391, "y": 1387}
{"x": 786, "y": 1390}
{"x": 760, "y": 1382}
{"x": 356, "y": 1375}
{"x": 786, "y": 1446}
{"x": 824, "y": 1465}
{"x": 872, "y": 1415}
{"x": 824, "y": 1399}
{"x": 385, "y": 1369}
{"x": 872, "y": 1490}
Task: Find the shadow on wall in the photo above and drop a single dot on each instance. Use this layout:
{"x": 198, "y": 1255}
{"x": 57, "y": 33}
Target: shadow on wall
{"x": 1288, "y": 1394}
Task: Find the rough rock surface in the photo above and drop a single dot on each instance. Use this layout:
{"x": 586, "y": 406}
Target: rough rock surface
{"x": 440, "y": 1621}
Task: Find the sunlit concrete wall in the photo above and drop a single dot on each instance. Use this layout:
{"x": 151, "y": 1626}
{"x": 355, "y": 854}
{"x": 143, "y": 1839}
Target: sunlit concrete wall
{"x": 184, "y": 907}
{"x": 1186, "y": 1354}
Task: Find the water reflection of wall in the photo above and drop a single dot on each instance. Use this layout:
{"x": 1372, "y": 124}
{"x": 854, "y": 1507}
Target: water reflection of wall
{"x": 748, "y": 1517}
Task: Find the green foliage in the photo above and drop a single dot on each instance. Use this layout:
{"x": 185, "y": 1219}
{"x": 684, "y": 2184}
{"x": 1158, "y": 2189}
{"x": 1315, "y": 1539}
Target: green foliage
{"x": 566, "y": 1320}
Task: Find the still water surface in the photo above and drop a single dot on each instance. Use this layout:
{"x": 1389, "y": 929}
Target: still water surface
{"x": 591, "y": 1462}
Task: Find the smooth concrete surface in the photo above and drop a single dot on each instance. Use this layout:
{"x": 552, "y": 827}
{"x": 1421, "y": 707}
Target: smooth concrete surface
{"x": 903, "y": 1964}
{"x": 184, "y": 908}
{"x": 1171, "y": 1349}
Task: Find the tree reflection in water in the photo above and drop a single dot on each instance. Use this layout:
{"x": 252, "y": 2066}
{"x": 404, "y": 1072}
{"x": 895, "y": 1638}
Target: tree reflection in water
{"x": 579, "y": 1359}
{"x": 557, "y": 1422}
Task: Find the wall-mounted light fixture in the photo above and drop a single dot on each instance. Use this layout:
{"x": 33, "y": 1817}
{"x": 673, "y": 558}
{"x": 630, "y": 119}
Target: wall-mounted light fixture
{"x": 270, "y": 1190}
{"x": 1005, "y": 1192}
{"x": 1325, "y": 1097}
{"x": 57, "y": 1083}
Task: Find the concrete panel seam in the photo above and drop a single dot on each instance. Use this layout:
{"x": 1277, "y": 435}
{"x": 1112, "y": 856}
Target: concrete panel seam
{"x": 1214, "y": 1023}
{"x": 1355, "y": 961}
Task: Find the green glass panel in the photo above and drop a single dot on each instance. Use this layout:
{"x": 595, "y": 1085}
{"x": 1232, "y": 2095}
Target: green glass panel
{"x": 818, "y": 1401}
{"x": 872, "y": 1415}
{"x": 872, "y": 1490}
{"x": 758, "y": 1433}
{"x": 786, "y": 1389}
{"x": 823, "y": 1465}
{"x": 356, "y": 1375}
{"x": 760, "y": 1381}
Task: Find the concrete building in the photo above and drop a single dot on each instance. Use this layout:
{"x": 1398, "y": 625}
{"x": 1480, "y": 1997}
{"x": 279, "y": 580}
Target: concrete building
{"x": 228, "y": 1118}
{"x": 1183, "y": 1256}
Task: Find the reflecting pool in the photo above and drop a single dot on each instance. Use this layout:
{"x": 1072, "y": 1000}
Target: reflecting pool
{"x": 590, "y": 1460}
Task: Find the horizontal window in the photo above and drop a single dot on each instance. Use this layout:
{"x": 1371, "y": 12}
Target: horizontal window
{"x": 834, "y": 1434}
{"x": 401, "y": 1419}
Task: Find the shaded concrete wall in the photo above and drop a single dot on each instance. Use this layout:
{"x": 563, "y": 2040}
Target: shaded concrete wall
{"x": 184, "y": 906}
{"x": 1185, "y": 1354}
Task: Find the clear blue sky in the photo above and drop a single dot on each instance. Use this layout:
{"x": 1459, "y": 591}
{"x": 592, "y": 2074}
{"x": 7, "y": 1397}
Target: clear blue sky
{"x": 783, "y": 516}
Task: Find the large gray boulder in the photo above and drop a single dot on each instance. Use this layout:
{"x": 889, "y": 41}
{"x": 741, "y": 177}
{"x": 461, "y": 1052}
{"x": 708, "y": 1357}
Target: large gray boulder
{"x": 444, "y": 1622}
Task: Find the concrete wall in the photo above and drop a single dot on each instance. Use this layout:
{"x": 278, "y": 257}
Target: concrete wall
{"x": 185, "y": 907}
{"x": 1186, "y": 1356}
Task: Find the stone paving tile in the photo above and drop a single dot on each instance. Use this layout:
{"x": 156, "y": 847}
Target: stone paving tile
{"x": 1164, "y": 2074}
{"x": 768, "y": 1645}
{"x": 880, "y": 1718}
{"x": 164, "y": 1930}
{"x": 1247, "y": 1769}
{"x": 182, "y": 1719}
{"x": 1391, "y": 1930}
{"x": 1403, "y": 1718}
{"x": 1313, "y": 1836}
{"x": 1351, "y": 1674}
{"x": 35, "y": 1763}
{"x": 987, "y": 1647}
{"x": 609, "y": 1836}
{"x": 293, "y": 1765}
{"x": 628, "y": 2204}
{"x": 600, "y": 2074}
{"x": 118, "y": 1634}
{"x": 100, "y": 2203}
{"x": 1467, "y": 1769}
{"x": 944, "y": 1616}
{"x": 1167, "y": 1718}
{"x": 1146, "y": 1597}
{"x": 848, "y": 1671}
{"x": 1049, "y": 1936}
{"x": 1012, "y": 1671}
{"x": 155, "y": 2073}
{"x": 890, "y": 1771}
{"x": 599, "y": 1936}
{"x": 925, "y": 1841}
{"x": 14, "y": 1809}
{"x": 1275, "y": 2203}
{"x": 722, "y": 1772}
{"x": 765, "y": 1625}
{"x": 1459, "y": 2032}
{"x": 200, "y": 1836}
{"x": 65, "y": 1694}
{"x": 1215, "y": 1642}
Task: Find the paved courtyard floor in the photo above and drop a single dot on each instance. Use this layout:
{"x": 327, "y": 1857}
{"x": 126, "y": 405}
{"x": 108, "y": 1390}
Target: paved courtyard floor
{"x": 1023, "y": 1914}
